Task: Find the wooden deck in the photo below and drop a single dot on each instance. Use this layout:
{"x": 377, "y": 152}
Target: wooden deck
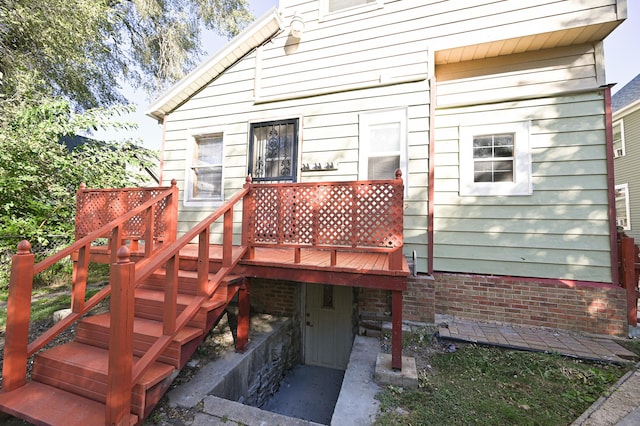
{"x": 352, "y": 268}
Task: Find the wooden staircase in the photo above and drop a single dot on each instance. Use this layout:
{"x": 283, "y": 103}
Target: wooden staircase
{"x": 120, "y": 362}
{"x": 69, "y": 382}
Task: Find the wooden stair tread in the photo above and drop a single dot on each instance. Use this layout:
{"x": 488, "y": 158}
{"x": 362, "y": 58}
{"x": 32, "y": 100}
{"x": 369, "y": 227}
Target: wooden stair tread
{"x": 215, "y": 301}
{"x": 42, "y": 404}
{"x": 145, "y": 327}
{"x": 158, "y": 296}
{"x": 96, "y": 360}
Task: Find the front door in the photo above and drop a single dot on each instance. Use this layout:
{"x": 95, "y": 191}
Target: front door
{"x": 329, "y": 330}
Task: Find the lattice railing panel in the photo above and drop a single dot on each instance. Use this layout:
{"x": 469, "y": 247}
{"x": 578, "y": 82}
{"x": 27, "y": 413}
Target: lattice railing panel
{"x": 355, "y": 214}
{"x": 335, "y": 215}
{"x": 97, "y": 207}
{"x": 379, "y": 215}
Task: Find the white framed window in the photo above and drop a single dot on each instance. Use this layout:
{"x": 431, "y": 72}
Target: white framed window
{"x": 495, "y": 159}
{"x": 203, "y": 174}
{"x": 618, "y": 139}
{"x": 622, "y": 207}
{"x": 383, "y": 144}
{"x": 330, "y": 9}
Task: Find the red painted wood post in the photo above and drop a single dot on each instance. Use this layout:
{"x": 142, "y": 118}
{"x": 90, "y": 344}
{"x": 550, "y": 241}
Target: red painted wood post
{"x": 170, "y": 309}
{"x": 629, "y": 282}
{"x": 247, "y": 214}
{"x": 79, "y": 279}
{"x": 244, "y": 317}
{"x": 396, "y": 330}
{"x": 149, "y": 231}
{"x": 14, "y": 368}
{"x": 171, "y": 214}
{"x": 227, "y": 238}
{"x": 203, "y": 262}
{"x": 122, "y": 278}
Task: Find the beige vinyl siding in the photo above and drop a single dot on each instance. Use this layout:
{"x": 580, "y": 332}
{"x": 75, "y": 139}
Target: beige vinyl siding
{"x": 329, "y": 127}
{"x": 562, "y": 229}
{"x": 531, "y": 74}
{"x": 391, "y": 43}
{"x": 382, "y": 59}
{"x": 626, "y": 170}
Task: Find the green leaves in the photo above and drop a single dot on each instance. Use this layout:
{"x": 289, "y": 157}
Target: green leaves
{"x": 39, "y": 174}
{"x": 81, "y": 49}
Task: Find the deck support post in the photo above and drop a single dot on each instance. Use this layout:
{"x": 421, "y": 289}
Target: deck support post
{"x": 628, "y": 259}
{"x": 396, "y": 330}
{"x": 244, "y": 317}
{"x": 14, "y": 368}
{"x": 120, "y": 372}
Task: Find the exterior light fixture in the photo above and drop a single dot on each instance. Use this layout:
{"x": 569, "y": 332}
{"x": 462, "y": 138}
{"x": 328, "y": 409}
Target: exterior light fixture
{"x": 296, "y": 26}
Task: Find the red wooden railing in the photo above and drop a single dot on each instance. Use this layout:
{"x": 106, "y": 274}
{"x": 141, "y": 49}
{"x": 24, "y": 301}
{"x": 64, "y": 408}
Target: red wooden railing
{"x": 334, "y": 216}
{"x": 328, "y": 216}
{"x": 23, "y": 269}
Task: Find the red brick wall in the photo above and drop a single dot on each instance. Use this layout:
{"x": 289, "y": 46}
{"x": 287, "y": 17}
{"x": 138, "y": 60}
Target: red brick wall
{"x": 585, "y": 307}
{"x": 274, "y": 297}
{"x": 418, "y": 301}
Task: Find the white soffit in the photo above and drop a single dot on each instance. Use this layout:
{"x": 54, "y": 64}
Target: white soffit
{"x": 253, "y": 36}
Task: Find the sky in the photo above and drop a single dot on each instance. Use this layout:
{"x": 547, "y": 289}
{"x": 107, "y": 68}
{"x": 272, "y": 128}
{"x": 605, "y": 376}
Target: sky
{"x": 621, "y": 49}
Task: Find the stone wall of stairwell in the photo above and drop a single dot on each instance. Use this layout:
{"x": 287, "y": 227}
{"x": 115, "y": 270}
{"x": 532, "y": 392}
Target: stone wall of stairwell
{"x": 585, "y": 307}
{"x": 255, "y": 375}
{"x": 418, "y": 305}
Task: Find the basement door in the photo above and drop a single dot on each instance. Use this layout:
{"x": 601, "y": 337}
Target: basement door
{"x": 329, "y": 331}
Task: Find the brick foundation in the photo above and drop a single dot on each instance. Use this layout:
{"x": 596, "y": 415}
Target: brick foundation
{"x": 418, "y": 302}
{"x": 279, "y": 298}
{"x": 580, "y": 306}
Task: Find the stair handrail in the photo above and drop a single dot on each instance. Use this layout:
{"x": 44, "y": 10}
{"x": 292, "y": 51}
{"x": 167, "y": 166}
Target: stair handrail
{"x": 17, "y": 348}
{"x": 170, "y": 255}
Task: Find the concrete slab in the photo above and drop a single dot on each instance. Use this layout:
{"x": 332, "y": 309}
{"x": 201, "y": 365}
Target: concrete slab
{"x": 618, "y": 407}
{"x": 219, "y": 411}
{"x": 357, "y": 404}
{"x": 307, "y": 392}
{"x": 406, "y": 378}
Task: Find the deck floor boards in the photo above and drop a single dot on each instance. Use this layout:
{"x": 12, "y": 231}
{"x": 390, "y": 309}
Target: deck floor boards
{"x": 316, "y": 260}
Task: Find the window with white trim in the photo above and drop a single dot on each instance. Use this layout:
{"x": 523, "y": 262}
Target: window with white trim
{"x": 622, "y": 207}
{"x": 618, "y": 139}
{"x": 339, "y": 8}
{"x": 204, "y": 170}
{"x": 495, "y": 159}
{"x": 383, "y": 144}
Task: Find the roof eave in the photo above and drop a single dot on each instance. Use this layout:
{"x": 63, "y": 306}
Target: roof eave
{"x": 627, "y": 109}
{"x": 253, "y": 36}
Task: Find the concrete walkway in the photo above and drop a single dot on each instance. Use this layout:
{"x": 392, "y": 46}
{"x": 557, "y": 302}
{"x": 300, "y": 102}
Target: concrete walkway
{"x": 538, "y": 340}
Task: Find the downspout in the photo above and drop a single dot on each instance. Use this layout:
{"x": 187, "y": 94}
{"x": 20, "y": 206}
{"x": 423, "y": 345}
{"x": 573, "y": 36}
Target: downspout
{"x": 432, "y": 149}
{"x": 613, "y": 231}
{"x": 164, "y": 129}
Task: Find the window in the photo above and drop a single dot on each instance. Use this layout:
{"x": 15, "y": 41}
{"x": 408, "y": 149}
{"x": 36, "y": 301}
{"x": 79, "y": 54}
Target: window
{"x": 495, "y": 160}
{"x": 337, "y": 5}
{"x": 622, "y": 207}
{"x": 618, "y": 139}
{"x": 273, "y": 151}
{"x": 339, "y": 8}
{"x": 383, "y": 144}
{"x": 204, "y": 170}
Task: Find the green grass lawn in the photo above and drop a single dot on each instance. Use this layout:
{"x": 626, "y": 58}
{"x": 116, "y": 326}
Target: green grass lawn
{"x": 491, "y": 386}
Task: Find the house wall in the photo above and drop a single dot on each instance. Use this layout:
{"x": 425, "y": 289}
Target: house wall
{"x": 584, "y": 307}
{"x": 383, "y": 59}
{"x": 626, "y": 170}
{"x": 561, "y": 230}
